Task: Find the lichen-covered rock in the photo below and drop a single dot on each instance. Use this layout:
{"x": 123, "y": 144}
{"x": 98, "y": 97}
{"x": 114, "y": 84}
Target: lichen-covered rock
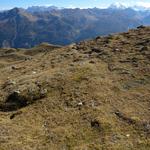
{"x": 21, "y": 98}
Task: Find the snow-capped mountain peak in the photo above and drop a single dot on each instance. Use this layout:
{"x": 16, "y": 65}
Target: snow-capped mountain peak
{"x": 117, "y": 5}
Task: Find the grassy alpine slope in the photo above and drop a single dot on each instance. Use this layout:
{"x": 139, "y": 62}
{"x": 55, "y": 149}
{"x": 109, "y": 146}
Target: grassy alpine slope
{"x": 94, "y": 95}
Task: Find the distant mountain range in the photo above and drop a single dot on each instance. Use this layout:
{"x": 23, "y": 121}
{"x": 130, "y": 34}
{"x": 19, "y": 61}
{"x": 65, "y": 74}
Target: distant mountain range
{"x": 41, "y": 8}
{"x": 28, "y": 27}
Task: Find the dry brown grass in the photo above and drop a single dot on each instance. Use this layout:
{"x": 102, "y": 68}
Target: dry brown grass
{"x": 97, "y": 95}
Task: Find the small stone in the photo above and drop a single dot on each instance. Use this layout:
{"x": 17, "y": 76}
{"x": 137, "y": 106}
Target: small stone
{"x": 147, "y": 127}
{"x": 98, "y": 37}
{"x": 13, "y": 67}
{"x": 128, "y": 135}
{"x": 80, "y": 104}
{"x": 92, "y": 62}
{"x": 33, "y": 72}
{"x": 12, "y": 116}
{"x": 11, "y": 82}
{"x": 43, "y": 92}
{"x": 116, "y": 50}
{"x": 96, "y": 50}
{"x": 17, "y": 91}
{"x": 145, "y": 48}
{"x": 95, "y": 124}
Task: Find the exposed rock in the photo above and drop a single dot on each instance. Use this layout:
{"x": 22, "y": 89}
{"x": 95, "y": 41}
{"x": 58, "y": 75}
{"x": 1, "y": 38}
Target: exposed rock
{"x": 18, "y": 99}
{"x": 141, "y": 27}
{"x": 95, "y": 124}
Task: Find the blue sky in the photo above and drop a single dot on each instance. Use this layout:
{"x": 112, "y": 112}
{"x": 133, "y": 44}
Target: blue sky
{"x": 7, "y": 4}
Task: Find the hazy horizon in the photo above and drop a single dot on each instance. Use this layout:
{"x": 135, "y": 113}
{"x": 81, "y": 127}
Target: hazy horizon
{"x": 9, "y": 4}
